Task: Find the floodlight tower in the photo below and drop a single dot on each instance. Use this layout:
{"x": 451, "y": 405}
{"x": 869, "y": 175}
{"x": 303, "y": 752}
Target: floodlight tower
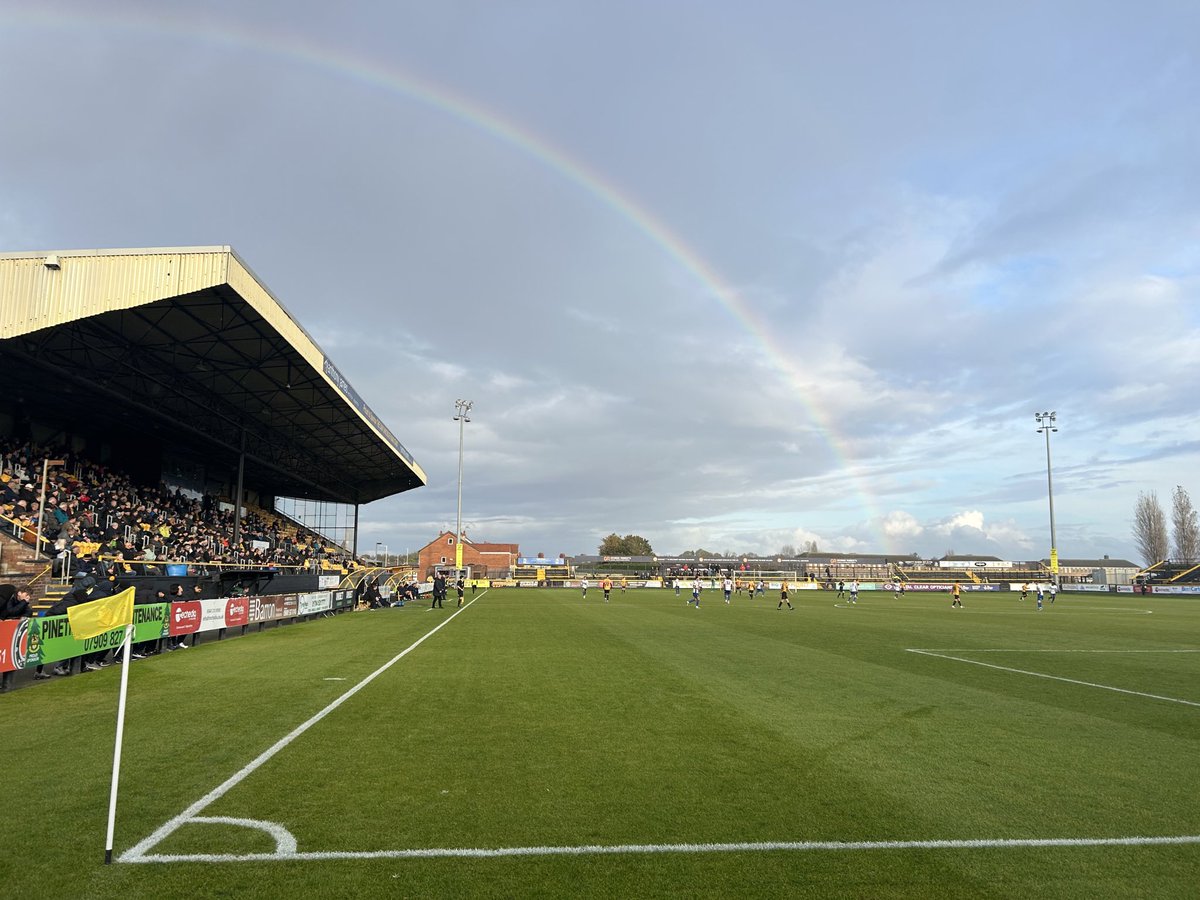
{"x": 1045, "y": 421}
{"x": 461, "y": 407}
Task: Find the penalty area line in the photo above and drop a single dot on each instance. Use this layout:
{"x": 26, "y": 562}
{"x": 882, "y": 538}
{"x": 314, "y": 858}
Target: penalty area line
{"x": 1027, "y": 650}
{"x": 138, "y": 850}
{"x": 631, "y": 849}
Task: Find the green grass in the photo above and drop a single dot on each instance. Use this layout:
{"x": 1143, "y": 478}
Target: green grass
{"x": 536, "y": 718}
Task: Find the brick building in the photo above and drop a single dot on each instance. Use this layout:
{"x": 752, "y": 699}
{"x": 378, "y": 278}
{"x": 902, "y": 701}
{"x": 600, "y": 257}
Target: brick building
{"x": 483, "y": 559}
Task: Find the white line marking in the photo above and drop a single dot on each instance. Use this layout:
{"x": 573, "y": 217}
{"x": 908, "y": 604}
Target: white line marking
{"x": 285, "y": 841}
{"x": 1093, "y": 609}
{"x": 615, "y": 849}
{"x": 1103, "y": 687}
{"x": 1112, "y": 609}
{"x": 1027, "y": 650}
{"x": 169, "y": 827}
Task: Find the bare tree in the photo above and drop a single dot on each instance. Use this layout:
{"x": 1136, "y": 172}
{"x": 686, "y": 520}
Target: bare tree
{"x": 811, "y": 547}
{"x": 1150, "y": 528}
{"x": 1187, "y": 533}
{"x": 787, "y": 550}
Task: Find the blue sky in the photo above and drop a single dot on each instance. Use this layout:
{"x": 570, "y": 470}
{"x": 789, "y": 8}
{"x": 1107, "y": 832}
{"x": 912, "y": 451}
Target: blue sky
{"x": 736, "y": 276}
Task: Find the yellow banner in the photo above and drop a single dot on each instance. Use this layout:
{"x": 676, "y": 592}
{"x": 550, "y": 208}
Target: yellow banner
{"x": 1054, "y": 560}
{"x": 98, "y": 616}
{"x": 458, "y": 554}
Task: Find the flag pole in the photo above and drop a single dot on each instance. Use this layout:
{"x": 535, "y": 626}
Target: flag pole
{"x": 116, "y": 774}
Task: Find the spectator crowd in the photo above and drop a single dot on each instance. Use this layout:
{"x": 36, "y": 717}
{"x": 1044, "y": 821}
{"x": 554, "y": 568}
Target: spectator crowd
{"x": 93, "y": 510}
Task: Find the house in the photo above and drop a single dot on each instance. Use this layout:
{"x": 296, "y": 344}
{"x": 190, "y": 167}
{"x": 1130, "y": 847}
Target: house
{"x": 485, "y": 560}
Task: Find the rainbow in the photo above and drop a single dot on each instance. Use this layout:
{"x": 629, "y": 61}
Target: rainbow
{"x": 395, "y": 79}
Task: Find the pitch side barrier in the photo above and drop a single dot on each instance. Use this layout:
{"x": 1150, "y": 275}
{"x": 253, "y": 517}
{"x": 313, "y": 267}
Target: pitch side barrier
{"x": 28, "y": 643}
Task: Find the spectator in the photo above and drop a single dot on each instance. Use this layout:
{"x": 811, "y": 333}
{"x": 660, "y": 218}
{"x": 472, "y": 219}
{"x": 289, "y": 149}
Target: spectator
{"x": 98, "y": 588}
{"x": 14, "y": 604}
{"x": 76, "y": 596}
{"x": 149, "y": 556}
{"x": 176, "y": 595}
{"x": 98, "y": 509}
{"x": 142, "y": 649}
{"x": 11, "y": 604}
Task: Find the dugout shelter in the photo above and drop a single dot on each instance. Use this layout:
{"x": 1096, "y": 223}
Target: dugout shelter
{"x": 181, "y": 359}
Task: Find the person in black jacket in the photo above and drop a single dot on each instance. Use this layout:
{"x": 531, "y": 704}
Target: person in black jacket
{"x": 14, "y": 604}
{"x": 179, "y": 642}
{"x": 101, "y": 587}
{"x": 371, "y": 595}
{"x": 73, "y": 598}
{"x": 142, "y": 649}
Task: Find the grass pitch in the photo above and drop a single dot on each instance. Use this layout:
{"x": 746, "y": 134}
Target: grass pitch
{"x": 728, "y": 751}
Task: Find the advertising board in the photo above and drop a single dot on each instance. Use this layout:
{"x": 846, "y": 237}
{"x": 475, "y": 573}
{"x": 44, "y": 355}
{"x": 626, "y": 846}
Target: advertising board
{"x": 30, "y": 642}
{"x": 315, "y": 602}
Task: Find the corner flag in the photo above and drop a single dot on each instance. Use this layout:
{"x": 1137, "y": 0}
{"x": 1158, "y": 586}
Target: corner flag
{"x": 89, "y": 620}
{"x": 98, "y": 616}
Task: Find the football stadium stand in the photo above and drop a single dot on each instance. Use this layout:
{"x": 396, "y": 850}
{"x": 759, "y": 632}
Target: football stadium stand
{"x": 158, "y": 403}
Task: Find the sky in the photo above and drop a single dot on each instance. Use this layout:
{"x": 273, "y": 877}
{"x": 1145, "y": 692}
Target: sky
{"x": 733, "y": 276}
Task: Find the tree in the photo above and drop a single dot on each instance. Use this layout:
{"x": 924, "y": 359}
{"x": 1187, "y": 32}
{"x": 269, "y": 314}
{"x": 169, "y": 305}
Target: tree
{"x": 787, "y": 551}
{"x": 637, "y": 546}
{"x": 1187, "y": 534}
{"x": 629, "y": 545}
{"x": 611, "y": 546}
{"x": 811, "y": 547}
{"x": 1150, "y": 528}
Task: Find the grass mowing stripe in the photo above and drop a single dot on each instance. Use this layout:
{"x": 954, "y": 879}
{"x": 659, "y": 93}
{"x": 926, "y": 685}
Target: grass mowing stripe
{"x": 1103, "y": 687}
{"x": 216, "y": 793}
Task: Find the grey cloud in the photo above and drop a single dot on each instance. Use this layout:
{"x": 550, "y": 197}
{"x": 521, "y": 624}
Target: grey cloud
{"x": 939, "y": 240}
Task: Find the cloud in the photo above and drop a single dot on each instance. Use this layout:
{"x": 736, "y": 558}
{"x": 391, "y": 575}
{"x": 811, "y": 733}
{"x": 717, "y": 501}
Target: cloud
{"x": 922, "y": 254}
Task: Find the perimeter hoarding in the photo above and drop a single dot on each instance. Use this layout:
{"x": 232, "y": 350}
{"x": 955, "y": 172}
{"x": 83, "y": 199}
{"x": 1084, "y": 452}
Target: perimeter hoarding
{"x": 313, "y": 603}
{"x": 268, "y": 609}
{"x": 198, "y": 616}
{"x": 25, "y": 643}
{"x": 194, "y": 616}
